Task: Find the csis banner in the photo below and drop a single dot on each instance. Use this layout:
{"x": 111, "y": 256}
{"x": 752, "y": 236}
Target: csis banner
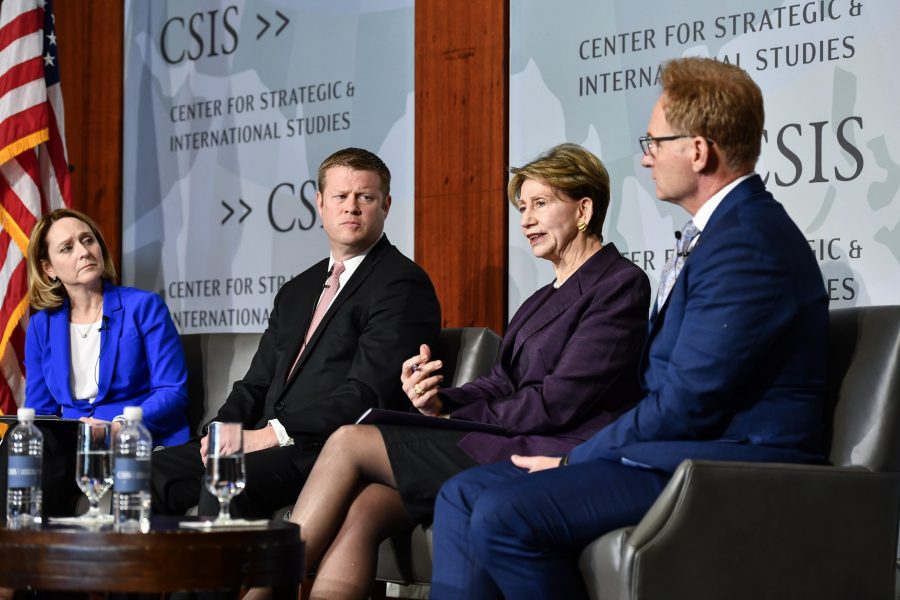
{"x": 831, "y": 151}
{"x": 230, "y": 107}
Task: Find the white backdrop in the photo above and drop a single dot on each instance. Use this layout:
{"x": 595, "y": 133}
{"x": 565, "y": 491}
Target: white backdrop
{"x": 585, "y": 71}
{"x": 229, "y": 109}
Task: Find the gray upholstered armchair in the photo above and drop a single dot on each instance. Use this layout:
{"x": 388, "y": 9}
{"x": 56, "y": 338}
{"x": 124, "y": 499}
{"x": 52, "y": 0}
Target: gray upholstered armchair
{"x": 743, "y": 530}
{"x": 467, "y": 353}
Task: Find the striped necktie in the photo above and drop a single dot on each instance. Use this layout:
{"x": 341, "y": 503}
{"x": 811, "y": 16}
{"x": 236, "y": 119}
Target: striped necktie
{"x": 673, "y": 266}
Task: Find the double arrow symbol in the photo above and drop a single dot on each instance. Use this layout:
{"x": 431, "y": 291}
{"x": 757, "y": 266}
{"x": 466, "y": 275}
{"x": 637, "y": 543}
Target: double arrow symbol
{"x": 266, "y": 23}
{"x": 247, "y": 207}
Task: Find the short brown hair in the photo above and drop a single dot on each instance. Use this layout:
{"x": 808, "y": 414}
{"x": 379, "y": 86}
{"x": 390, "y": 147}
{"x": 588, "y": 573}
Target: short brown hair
{"x": 42, "y": 292}
{"x": 570, "y": 169}
{"x": 718, "y": 101}
{"x": 358, "y": 160}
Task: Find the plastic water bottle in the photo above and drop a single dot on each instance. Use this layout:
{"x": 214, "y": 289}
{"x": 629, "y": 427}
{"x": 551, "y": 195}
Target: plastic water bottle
{"x": 23, "y": 489}
{"x": 131, "y": 471}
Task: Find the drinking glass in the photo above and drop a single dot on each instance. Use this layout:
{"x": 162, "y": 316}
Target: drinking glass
{"x": 93, "y": 468}
{"x": 225, "y": 475}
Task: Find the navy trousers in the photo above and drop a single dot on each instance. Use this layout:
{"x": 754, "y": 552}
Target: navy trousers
{"x": 500, "y": 531}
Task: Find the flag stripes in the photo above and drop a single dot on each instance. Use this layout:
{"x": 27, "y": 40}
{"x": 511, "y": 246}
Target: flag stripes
{"x": 34, "y": 171}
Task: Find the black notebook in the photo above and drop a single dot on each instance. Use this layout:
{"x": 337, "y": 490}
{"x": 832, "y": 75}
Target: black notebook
{"x": 380, "y": 416}
{"x": 60, "y": 443}
{"x": 68, "y": 428}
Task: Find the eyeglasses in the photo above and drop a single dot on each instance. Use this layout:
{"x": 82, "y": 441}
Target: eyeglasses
{"x": 648, "y": 142}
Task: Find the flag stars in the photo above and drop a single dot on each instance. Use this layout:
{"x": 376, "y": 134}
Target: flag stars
{"x": 48, "y": 60}
{"x": 51, "y": 38}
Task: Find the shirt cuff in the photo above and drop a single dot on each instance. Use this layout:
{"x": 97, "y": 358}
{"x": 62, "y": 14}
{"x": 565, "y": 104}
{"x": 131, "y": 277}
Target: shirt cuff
{"x": 281, "y": 433}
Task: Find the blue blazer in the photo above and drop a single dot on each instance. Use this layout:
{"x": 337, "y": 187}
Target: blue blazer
{"x": 141, "y": 364}
{"x": 734, "y": 367}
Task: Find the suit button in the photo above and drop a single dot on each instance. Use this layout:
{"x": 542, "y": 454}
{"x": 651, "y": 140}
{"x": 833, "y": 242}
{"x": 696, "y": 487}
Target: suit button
{"x": 279, "y": 405}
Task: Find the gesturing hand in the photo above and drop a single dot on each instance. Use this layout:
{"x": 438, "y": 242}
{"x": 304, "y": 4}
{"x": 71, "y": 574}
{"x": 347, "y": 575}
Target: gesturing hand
{"x": 420, "y": 383}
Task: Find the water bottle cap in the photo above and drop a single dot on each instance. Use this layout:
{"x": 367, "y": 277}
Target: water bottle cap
{"x": 133, "y": 413}
{"x": 25, "y": 414}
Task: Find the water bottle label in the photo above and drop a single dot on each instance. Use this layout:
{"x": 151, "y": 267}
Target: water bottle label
{"x": 24, "y": 471}
{"x": 131, "y": 475}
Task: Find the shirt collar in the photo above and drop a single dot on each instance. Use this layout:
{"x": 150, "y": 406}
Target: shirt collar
{"x": 703, "y": 215}
{"x": 350, "y": 264}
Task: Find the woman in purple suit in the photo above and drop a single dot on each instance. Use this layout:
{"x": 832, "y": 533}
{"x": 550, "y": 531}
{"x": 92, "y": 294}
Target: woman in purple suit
{"x": 567, "y": 367}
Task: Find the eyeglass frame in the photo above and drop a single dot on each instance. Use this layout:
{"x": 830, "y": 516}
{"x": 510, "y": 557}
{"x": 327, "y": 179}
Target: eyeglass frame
{"x": 645, "y": 140}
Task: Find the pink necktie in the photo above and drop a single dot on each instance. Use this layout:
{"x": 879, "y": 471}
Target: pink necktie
{"x": 332, "y": 285}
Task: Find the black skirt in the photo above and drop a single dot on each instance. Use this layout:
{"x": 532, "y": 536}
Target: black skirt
{"x": 422, "y": 459}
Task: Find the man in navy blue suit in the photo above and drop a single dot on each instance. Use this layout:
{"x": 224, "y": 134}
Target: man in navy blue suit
{"x": 733, "y": 369}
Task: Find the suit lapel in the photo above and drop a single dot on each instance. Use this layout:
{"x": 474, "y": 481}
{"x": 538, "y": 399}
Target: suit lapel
{"x": 302, "y": 316}
{"x": 652, "y": 328}
{"x": 111, "y": 333}
{"x": 554, "y": 302}
{"x": 558, "y": 301}
{"x": 61, "y": 349}
{"x": 743, "y": 190}
{"x": 510, "y": 345}
{"x": 345, "y": 293}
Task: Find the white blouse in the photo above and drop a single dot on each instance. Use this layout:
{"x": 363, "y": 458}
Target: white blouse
{"x": 84, "y": 374}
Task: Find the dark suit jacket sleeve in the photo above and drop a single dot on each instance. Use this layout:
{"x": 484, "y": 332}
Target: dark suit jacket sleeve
{"x": 739, "y": 299}
{"x": 403, "y": 313}
{"x": 37, "y": 393}
{"x": 164, "y": 408}
{"x": 601, "y": 348}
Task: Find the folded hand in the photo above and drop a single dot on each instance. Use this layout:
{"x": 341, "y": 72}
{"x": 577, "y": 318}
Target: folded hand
{"x": 536, "y": 463}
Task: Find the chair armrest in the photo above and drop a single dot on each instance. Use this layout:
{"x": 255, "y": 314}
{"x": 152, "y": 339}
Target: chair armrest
{"x": 755, "y": 530}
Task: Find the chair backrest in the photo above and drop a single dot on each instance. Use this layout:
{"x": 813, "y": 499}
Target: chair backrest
{"x": 864, "y": 387}
{"x": 214, "y": 362}
{"x": 467, "y": 353}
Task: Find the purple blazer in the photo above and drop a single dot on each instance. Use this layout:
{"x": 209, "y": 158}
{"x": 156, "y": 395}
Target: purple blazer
{"x": 568, "y": 364}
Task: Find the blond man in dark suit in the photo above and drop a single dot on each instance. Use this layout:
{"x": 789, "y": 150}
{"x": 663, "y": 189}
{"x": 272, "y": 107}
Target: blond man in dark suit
{"x": 336, "y": 335}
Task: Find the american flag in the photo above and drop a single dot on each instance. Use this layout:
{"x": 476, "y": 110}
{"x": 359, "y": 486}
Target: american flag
{"x": 34, "y": 173}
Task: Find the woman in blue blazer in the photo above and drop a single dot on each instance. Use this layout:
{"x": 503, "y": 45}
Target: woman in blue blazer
{"x": 93, "y": 348}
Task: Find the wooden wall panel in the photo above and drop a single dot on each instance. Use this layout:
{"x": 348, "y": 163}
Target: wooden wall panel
{"x": 91, "y": 62}
{"x": 461, "y": 154}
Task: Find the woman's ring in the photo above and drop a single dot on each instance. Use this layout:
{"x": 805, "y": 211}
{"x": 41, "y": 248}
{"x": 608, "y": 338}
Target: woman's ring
{"x": 418, "y": 389}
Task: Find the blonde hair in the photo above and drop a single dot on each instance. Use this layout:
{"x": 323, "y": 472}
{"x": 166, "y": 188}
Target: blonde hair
{"x": 572, "y": 170}
{"x": 42, "y": 292}
{"x": 718, "y": 101}
{"x": 357, "y": 159}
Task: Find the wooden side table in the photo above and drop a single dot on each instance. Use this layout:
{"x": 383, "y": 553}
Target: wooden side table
{"x": 168, "y": 558}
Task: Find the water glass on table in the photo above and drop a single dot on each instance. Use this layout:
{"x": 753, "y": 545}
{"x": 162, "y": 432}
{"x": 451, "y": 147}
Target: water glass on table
{"x": 93, "y": 468}
{"x": 225, "y": 474}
